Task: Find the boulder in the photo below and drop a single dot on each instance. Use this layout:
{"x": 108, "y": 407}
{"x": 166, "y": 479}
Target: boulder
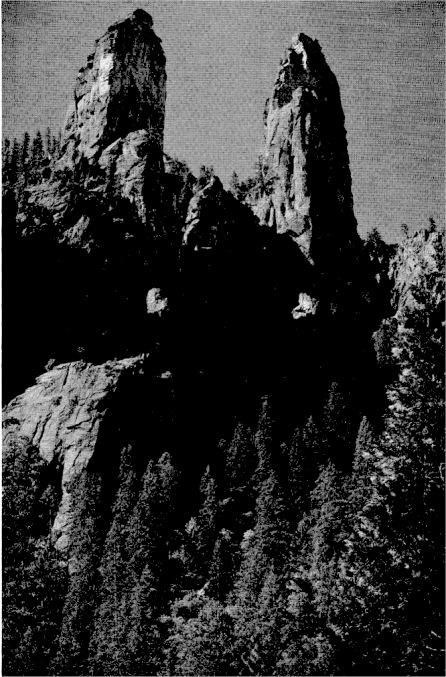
{"x": 156, "y": 302}
{"x": 306, "y": 306}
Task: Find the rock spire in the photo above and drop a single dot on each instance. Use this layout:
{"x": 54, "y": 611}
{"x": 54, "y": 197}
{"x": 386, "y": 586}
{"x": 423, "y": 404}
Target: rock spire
{"x": 120, "y": 90}
{"x": 306, "y": 176}
{"x": 114, "y": 128}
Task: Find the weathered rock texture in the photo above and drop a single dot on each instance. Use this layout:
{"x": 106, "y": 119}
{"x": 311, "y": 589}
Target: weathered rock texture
{"x": 63, "y": 416}
{"x": 306, "y": 176}
{"x": 122, "y": 89}
{"x": 214, "y": 218}
{"x": 113, "y": 137}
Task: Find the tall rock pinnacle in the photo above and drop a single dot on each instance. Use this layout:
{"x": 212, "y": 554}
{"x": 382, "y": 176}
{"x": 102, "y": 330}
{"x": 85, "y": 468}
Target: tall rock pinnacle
{"x": 116, "y": 121}
{"x": 307, "y": 182}
{"x": 121, "y": 89}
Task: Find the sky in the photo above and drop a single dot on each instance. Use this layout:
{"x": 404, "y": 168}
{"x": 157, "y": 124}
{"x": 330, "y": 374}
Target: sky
{"x": 222, "y": 60}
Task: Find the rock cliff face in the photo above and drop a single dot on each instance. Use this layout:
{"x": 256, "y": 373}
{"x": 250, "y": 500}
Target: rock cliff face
{"x": 114, "y": 130}
{"x": 64, "y": 416}
{"x": 306, "y": 175}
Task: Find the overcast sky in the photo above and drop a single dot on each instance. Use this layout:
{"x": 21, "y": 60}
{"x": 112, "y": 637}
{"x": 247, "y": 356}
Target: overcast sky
{"x": 222, "y": 60}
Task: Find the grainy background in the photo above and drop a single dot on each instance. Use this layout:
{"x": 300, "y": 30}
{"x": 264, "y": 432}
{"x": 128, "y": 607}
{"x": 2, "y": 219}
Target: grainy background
{"x": 222, "y": 60}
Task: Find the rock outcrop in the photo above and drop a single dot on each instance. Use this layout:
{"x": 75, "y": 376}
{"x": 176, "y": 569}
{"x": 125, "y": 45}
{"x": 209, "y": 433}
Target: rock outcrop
{"x": 113, "y": 136}
{"x": 156, "y": 302}
{"x": 121, "y": 89}
{"x": 64, "y": 416}
{"x": 305, "y": 175}
{"x": 306, "y": 307}
{"x": 215, "y": 218}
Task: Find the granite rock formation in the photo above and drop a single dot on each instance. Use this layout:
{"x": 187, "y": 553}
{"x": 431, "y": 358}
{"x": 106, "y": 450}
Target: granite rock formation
{"x": 64, "y": 416}
{"x": 305, "y": 174}
{"x": 113, "y": 136}
{"x": 215, "y": 218}
{"x": 128, "y": 65}
{"x": 140, "y": 260}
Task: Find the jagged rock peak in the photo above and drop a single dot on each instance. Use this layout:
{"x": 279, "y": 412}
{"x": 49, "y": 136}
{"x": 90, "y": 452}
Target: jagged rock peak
{"x": 140, "y": 16}
{"x": 121, "y": 89}
{"x": 305, "y": 174}
{"x": 302, "y": 65}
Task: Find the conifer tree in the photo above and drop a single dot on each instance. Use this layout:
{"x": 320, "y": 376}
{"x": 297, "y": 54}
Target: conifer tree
{"x": 6, "y": 158}
{"x": 203, "y": 531}
{"x": 265, "y": 442}
{"x": 36, "y": 157}
{"x": 14, "y": 163}
{"x": 85, "y": 547}
{"x": 223, "y": 566}
{"x": 305, "y": 457}
{"x": 150, "y": 541}
{"x": 48, "y": 149}
{"x": 108, "y": 642}
{"x": 201, "y": 642}
{"x": 258, "y": 173}
{"x": 265, "y": 554}
{"x": 339, "y": 426}
{"x": 33, "y": 576}
{"x": 240, "y": 462}
{"x": 25, "y": 158}
{"x": 57, "y": 143}
{"x": 234, "y": 185}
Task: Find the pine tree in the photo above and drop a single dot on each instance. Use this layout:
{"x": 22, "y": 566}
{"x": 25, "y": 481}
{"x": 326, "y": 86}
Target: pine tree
{"x": 305, "y": 457}
{"x": 265, "y": 557}
{"x": 223, "y": 566}
{"x": 240, "y": 463}
{"x": 48, "y": 149}
{"x": 57, "y": 144}
{"x": 25, "y": 158}
{"x": 33, "y": 576}
{"x": 150, "y": 541}
{"x": 108, "y": 642}
{"x": 80, "y": 602}
{"x": 315, "y": 633}
{"x": 238, "y": 481}
{"x": 201, "y": 640}
{"x": 234, "y": 185}
{"x": 265, "y": 442}
{"x": 36, "y": 158}
{"x": 14, "y": 169}
{"x": 258, "y": 173}
{"x": 6, "y": 159}
{"x": 339, "y": 426}
{"x": 203, "y": 531}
